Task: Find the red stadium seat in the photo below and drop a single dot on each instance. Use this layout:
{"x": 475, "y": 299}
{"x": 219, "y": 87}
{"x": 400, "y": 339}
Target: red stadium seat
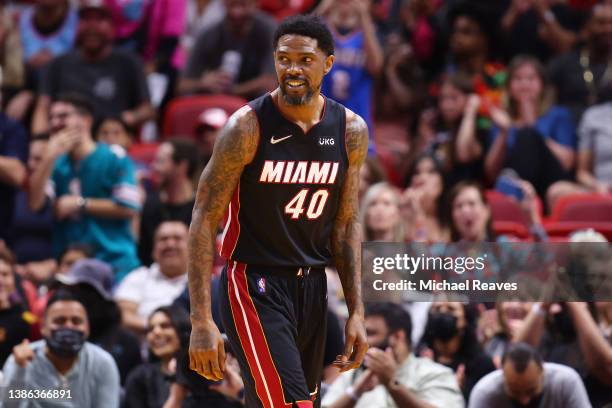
{"x": 512, "y": 228}
{"x": 563, "y": 229}
{"x": 593, "y": 208}
{"x": 182, "y": 113}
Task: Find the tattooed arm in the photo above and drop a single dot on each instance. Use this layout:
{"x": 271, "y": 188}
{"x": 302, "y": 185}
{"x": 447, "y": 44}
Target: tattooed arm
{"x": 235, "y": 147}
{"x": 346, "y": 241}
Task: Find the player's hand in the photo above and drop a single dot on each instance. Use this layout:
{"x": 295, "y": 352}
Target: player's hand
{"x": 23, "y": 353}
{"x": 207, "y": 351}
{"x": 355, "y": 345}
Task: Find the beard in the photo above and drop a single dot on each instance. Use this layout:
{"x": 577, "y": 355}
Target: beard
{"x": 303, "y": 99}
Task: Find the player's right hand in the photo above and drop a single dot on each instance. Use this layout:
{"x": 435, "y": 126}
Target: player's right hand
{"x": 23, "y": 353}
{"x": 207, "y": 351}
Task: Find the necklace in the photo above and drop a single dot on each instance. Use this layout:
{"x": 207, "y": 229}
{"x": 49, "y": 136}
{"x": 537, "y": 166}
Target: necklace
{"x": 589, "y": 77}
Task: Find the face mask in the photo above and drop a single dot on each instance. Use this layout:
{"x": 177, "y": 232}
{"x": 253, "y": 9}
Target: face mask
{"x": 65, "y": 342}
{"x": 442, "y": 326}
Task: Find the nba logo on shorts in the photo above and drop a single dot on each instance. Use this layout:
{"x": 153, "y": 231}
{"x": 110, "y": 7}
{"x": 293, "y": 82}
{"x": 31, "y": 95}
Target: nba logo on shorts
{"x": 261, "y": 285}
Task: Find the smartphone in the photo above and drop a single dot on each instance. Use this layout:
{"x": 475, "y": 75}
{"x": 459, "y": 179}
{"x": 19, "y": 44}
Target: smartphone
{"x": 509, "y": 186}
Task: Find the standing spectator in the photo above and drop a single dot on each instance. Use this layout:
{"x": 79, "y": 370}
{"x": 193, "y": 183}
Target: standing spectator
{"x": 64, "y": 360}
{"x": 393, "y": 376}
{"x": 380, "y": 214}
{"x": 358, "y": 57}
{"x": 533, "y": 131}
{"x": 15, "y": 320}
{"x": 13, "y": 173}
{"x": 234, "y": 56}
{"x": 148, "y": 288}
{"x": 451, "y": 335}
{"x": 148, "y": 386}
{"x": 113, "y": 80}
{"x": 423, "y": 202}
{"x": 93, "y": 186}
{"x": 541, "y": 28}
{"x": 578, "y": 76}
{"x": 175, "y": 165}
{"x": 525, "y": 381}
{"x": 90, "y": 281}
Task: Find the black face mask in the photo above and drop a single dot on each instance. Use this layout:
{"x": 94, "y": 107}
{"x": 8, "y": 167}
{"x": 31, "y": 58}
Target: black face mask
{"x": 442, "y": 326}
{"x": 534, "y": 403}
{"x": 65, "y": 342}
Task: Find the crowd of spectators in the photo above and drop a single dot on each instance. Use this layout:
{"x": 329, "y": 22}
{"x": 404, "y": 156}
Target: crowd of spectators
{"x": 459, "y": 96}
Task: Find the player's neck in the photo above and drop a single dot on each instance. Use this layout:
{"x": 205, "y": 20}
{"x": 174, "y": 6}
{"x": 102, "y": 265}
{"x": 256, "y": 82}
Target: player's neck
{"x": 305, "y": 115}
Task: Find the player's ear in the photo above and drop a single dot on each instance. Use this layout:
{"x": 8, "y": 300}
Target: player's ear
{"x": 329, "y": 63}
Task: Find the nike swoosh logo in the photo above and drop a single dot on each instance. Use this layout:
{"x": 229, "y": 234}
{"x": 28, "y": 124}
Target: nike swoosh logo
{"x": 275, "y": 141}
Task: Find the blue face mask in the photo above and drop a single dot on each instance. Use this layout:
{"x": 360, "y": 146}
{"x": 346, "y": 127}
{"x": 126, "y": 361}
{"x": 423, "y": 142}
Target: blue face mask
{"x": 65, "y": 342}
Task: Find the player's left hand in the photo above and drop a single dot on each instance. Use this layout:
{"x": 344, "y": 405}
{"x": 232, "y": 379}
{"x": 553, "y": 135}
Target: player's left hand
{"x": 355, "y": 345}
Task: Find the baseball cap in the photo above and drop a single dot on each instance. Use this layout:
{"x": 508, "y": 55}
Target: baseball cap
{"x": 94, "y": 5}
{"x": 212, "y": 117}
{"x": 92, "y": 272}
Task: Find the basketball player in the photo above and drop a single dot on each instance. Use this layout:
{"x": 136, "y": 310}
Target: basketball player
{"x": 288, "y": 167}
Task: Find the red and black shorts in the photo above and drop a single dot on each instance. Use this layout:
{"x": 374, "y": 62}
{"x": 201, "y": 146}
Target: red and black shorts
{"x": 275, "y": 320}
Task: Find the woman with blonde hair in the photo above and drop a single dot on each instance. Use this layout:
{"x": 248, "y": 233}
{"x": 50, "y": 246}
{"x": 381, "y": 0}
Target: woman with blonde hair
{"x": 533, "y": 137}
{"x": 380, "y": 214}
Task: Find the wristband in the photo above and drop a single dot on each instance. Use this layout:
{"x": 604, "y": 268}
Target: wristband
{"x": 82, "y": 203}
{"x": 350, "y": 391}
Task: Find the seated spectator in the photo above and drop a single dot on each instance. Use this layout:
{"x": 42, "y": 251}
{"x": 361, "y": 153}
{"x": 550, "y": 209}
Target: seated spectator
{"x": 470, "y": 215}
{"x": 422, "y": 202}
{"x": 73, "y": 253}
{"x": 234, "y": 56}
{"x": 148, "y": 385}
{"x": 451, "y": 133}
{"x": 393, "y": 376}
{"x": 15, "y": 320}
{"x": 90, "y": 281}
{"x": 358, "y": 57}
{"x": 380, "y": 214}
{"x": 174, "y": 168}
{"x": 533, "y": 131}
{"x": 543, "y": 28}
{"x": 94, "y": 188}
{"x": 113, "y": 130}
{"x": 13, "y": 173}
{"x": 31, "y": 231}
{"x": 510, "y": 317}
{"x": 64, "y": 360}
{"x": 594, "y": 168}
{"x": 525, "y": 381}
{"x": 113, "y": 80}
{"x": 148, "y": 288}
{"x": 578, "y": 76}
{"x": 450, "y": 335}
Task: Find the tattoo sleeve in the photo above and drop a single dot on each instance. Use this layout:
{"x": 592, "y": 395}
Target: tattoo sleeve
{"x": 346, "y": 233}
{"x": 235, "y": 147}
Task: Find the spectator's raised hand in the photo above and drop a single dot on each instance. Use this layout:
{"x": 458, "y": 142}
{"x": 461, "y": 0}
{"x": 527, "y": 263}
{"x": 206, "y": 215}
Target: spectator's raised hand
{"x": 232, "y": 384}
{"x": 366, "y": 382}
{"x": 529, "y": 203}
{"x": 62, "y": 142}
{"x": 500, "y": 117}
{"x": 23, "y": 353}
{"x": 473, "y": 104}
{"x": 67, "y": 206}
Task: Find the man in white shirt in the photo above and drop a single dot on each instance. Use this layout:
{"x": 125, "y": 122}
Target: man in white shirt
{"x": 147, "y": 288}
{"x": 393, "y": 377}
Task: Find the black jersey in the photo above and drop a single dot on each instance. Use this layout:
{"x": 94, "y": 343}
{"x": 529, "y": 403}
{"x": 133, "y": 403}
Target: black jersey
{"x": 283, "y": 209}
